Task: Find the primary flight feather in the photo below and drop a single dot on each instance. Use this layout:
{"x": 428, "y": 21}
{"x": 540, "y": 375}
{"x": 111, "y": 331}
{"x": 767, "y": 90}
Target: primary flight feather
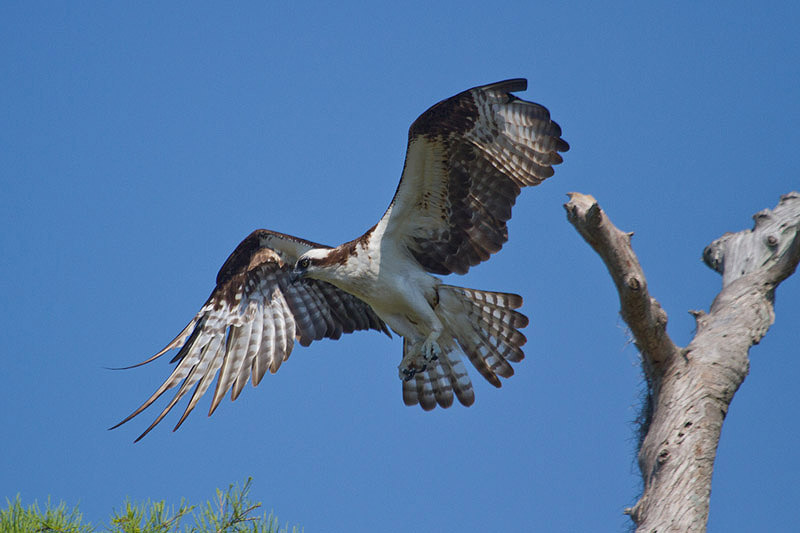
{"x": 468, "y": 158}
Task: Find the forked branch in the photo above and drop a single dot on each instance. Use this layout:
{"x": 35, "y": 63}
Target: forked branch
{"x": 691, "y": 388}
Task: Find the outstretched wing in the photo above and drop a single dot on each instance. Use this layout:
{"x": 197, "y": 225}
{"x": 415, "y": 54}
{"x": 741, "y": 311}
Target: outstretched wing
{"x": 467, "y": 159}
{"x": 250, "y": 322}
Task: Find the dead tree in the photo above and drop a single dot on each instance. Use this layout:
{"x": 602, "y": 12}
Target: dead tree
{"x": 690, "y": 388}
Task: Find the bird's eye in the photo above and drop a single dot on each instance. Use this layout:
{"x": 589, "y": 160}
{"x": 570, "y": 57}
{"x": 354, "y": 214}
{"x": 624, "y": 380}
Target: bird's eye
{"x": 304, "y": 262}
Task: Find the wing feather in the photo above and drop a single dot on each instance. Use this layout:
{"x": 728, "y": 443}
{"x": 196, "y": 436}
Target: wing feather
{"x": 253, "y": 349}
{"x": 468, "y": 158}
{"x": 282, "y": 350}
{"x": 264, "y": 356}
{"x": 218, "y": 351}
{"x": 249, "y": 323}
{"x": 235, "y": 354}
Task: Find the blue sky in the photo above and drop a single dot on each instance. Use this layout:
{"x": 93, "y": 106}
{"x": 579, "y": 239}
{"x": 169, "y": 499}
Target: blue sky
{"x": 140, "y": 144}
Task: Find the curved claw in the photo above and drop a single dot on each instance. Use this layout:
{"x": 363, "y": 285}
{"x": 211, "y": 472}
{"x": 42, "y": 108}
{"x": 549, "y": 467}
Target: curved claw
{"x": 415, "y": 363}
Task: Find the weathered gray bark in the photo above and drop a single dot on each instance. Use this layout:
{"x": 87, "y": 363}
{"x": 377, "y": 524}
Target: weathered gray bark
{"x": 691, "y": 388}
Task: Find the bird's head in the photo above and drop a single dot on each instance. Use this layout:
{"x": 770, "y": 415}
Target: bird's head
{"x": 310, "y": 265}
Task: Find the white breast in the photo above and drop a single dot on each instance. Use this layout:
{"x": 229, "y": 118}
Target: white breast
{"x": 393, "y": 283}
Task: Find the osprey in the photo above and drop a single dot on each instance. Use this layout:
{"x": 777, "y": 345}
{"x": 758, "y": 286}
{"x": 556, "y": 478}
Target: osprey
{"x": 468, "y": 157}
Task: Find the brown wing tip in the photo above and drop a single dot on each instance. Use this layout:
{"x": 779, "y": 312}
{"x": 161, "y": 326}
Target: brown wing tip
{"x": 510, "y": 85}
{"x": 428, "y": 406}
{"x": 445, "y": 401}
{"x": 149, "y": 360}
{"x": 466, "y": 398}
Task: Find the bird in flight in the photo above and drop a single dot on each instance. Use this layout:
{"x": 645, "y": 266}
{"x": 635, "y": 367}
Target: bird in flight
{"x": 468, "y": 158}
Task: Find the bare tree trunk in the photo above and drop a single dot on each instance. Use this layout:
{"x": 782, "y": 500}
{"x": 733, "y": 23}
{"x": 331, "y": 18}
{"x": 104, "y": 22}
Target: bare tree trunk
{"x": 691, "y": 388}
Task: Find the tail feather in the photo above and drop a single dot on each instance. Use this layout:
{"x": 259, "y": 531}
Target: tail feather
{"x": 508, "y": 341}
{"x": 485, "y": 325}
{"x": 436, "y": 385}
{"x": 485, "y": 360}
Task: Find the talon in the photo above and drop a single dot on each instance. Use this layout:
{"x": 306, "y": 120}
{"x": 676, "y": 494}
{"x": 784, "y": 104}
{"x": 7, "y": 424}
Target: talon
{"x": 431, "y": 357}
{"x": 419, "y": 361}
{"x": 430, "y": 351}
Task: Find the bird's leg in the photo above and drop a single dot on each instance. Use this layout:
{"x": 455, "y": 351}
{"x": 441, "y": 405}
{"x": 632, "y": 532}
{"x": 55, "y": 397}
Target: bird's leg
{"x": 430, "y": 350}
{"x": 409, "y": 366}
{"x": 419, "y": 357}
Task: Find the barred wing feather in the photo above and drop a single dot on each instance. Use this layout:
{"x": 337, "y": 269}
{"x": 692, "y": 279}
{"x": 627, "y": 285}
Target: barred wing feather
{"x": 468, "y": 158}
{"x": 250, "y": 322}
